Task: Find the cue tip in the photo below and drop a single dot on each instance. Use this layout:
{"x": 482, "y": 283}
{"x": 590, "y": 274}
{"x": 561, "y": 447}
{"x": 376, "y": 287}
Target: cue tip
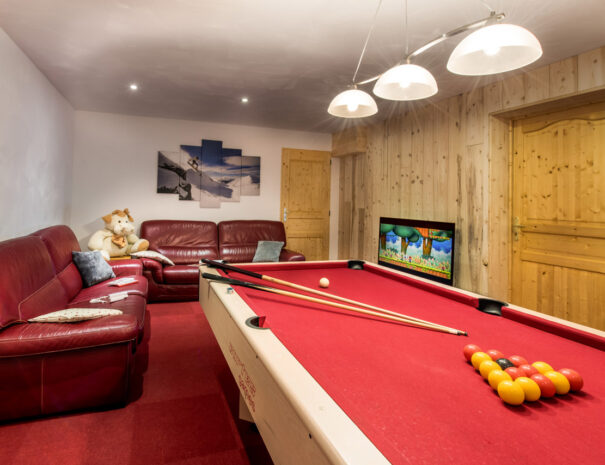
{"x": 462, "y": 333}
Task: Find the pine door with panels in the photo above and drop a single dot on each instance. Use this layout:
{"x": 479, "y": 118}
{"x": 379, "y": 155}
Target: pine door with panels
{"x": 558, "y": 261}
{"x": 305, "y": 201}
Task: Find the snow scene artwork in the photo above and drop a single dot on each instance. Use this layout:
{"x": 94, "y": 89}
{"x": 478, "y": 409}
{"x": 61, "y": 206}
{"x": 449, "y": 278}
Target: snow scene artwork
{"x": 209, "y": 174}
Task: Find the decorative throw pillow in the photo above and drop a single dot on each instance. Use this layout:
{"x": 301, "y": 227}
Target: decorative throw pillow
{"x": 153, "y": 256}
{"x": 71, "y": 315}
{"x": 268, "y": 251}
{"x": 92, "y": 267}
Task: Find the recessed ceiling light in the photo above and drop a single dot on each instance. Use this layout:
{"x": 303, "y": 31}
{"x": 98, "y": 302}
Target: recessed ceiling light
{"x": 134, "y": 86}
{"x": 244, "y": 99}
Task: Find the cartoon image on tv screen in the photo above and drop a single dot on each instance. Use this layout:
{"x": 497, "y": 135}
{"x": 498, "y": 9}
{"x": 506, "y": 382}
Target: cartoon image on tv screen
{"x": 421, "y": 249}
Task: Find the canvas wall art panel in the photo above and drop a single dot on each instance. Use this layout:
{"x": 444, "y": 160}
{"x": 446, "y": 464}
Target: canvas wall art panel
{"x": 190, "y": 186}
{"x": 209, "y": 173}
{"x": 250, "y": 175}
{"x": 168, "y": 168}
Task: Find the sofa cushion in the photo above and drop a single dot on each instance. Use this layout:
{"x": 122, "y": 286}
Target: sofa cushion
{"x": 184, "y": 242}
{"x": 181, "y": 274}
{"x": 28, "y": 285}
{"x": 71, "y": 315}
{"x": 153, "y": 255}
{"x": 268, "y": 251}
{"x": 238, "y": 239}
{"x": 93, "y": 267}
{"x": 60, "y": 242}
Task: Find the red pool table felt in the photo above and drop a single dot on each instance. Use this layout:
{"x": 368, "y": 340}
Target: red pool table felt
{"x": 411, "y": 390}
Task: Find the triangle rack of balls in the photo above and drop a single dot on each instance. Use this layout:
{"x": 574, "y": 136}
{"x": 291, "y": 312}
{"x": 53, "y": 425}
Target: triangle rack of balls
{"x": 516, "y": 380}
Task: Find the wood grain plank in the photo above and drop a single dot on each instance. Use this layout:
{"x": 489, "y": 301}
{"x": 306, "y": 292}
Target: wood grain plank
{"x": 513, "y": 91}
{"x": 591, "y": 69}
{"x": 563, "y": 77}
{"x": 537, "y": 84}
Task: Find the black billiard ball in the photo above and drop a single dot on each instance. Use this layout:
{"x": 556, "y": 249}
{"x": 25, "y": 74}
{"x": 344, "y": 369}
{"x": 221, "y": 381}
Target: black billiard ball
{"x": 505, "y": 363}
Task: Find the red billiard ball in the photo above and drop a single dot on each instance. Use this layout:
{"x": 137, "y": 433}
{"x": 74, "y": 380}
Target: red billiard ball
{"x": 547, "y": 387}
{"x": 518, "y": 360}
{"x": 469, "y": 350}
{"x": 515, "y": 372}
{"x": 495, "y": 354}
{"x": 528, "y": 369}
{"x": 575, "y": 380}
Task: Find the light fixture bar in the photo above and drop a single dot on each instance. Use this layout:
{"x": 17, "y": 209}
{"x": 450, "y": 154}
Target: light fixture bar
{"x": 493, "y": 17}
{"x": 365, "y": 45}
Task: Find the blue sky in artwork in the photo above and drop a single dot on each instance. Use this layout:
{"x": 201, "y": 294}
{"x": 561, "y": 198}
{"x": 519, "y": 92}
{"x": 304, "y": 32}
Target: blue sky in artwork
{"x": 193, "y": 151}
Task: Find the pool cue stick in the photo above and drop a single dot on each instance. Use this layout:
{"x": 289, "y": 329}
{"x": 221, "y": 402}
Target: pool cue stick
{"x": 321, "y": 293}
{"x": 273, "y": 290}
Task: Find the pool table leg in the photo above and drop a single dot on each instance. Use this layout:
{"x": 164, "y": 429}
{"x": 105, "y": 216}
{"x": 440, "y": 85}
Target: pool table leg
{"x": 244, "y": 412}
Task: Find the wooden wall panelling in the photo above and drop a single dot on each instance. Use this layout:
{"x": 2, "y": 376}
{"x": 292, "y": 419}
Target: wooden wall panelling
{"x": 499, "y": 211}
{"x": 427, "y": 178}
{"x": 537, "y": 84}
{"x": 563, "y": 77}
{"x": 513, "y": 91}
{"x": 441, "y": 146}
{"x": 456, "y": 149}
{"x": 417, "y": 135}
{"x": 345, "y": 207}
{"x": 350, "y": 141}
{"x": 405, "y": 143}
{"x": 477, "y": 212}
{"x": 591, "y": 69}
{"x": 375, "y": 190}
{"x": 360, "y": 208}
{"x": 394, "y": 166}
{"x": 456, "y": 131}
{"x": 357, "y": 209}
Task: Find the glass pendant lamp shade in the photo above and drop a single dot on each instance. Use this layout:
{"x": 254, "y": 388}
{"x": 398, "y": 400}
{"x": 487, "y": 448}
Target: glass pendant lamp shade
{"x": 494, "y": 49}
{"x": 406, "y": 82}
{"x": 353, "y": 103}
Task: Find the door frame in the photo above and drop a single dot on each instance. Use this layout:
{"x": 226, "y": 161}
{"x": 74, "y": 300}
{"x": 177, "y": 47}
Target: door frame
{"x": 500, "y": 129}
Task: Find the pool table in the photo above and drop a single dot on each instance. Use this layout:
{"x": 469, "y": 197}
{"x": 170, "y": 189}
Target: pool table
{"x": 324, "y": 385}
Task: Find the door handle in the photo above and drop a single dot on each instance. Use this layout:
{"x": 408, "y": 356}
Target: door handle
{"x": 285, "y": 214}
{"x": 517, "y": 227}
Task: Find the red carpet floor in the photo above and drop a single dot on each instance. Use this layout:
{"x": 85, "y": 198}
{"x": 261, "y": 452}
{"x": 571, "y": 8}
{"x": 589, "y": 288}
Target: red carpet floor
{"x": 184, "y": 409}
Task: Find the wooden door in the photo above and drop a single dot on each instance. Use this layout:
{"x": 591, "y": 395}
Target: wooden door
{"x": 305, "y": 201}
{"x": 558, "y": 264}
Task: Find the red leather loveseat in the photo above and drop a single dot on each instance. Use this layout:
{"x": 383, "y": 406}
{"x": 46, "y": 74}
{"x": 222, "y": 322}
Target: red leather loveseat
{"x": 54, "y": 367}
{"x": 187, "y": 242}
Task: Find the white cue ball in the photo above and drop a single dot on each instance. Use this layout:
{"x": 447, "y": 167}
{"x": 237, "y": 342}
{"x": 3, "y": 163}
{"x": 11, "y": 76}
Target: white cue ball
{"x": 324, "y": 282}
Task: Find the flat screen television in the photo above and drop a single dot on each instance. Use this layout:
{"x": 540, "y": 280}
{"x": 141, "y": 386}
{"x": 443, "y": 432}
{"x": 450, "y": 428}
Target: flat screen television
{"x": 422, "y": 248}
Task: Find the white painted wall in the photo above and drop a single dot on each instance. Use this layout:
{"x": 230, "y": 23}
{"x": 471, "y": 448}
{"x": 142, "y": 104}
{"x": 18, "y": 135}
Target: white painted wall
{"x": 115, "y": 166}
{"x": 36, "y": 146}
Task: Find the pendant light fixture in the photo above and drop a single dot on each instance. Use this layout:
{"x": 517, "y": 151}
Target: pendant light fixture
{"x": 355, "y": 103}
{"x": 492, "y": 48}
{"x": 407, "y": 81}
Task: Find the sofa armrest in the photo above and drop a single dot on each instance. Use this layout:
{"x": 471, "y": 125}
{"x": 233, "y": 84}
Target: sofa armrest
{"x": 126, "y": 267}
{"x": 47, "y": 338}
{"x": 153, "y": 268}
{"x": 291, "y": 256}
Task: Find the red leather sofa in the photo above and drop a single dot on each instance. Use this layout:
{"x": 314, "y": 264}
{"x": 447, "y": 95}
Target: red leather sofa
{"x": 187, "y": 242}
{"x": 48, "y": 368}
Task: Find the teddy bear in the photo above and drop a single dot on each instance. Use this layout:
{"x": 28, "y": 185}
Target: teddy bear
{"x": 118, "y": 238}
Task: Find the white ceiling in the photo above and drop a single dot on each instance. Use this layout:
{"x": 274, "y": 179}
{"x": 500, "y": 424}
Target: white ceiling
{"x": 195, "y": 59}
